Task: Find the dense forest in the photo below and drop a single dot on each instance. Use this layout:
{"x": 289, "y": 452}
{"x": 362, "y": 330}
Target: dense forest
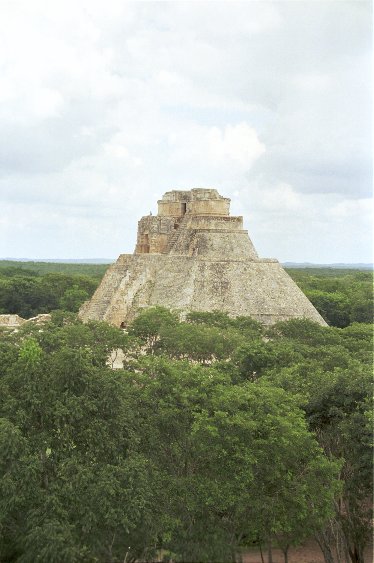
{"x": 30, "y": 288}
{"x": 218, "y": 435}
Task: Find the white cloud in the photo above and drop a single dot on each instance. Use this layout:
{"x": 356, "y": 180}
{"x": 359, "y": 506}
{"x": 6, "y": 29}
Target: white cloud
{"x": 352, "y": 208}
{"x": 121, "y": 152}
{"x": 104, "y": 106}
{"x": 234, "y": 146}
{"x": 241, "y": 143}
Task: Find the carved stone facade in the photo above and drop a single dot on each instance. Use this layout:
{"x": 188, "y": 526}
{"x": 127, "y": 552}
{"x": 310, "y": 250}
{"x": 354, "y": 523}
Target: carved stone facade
{"x": 176, "y": 209}
{"x": 193, "y": 256}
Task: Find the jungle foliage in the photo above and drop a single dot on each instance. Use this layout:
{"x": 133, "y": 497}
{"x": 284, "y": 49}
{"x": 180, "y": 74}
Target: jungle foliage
{"x": 341, "y": 296}
{"x": 27, "y": 293}
{"x": 217, "y": 434}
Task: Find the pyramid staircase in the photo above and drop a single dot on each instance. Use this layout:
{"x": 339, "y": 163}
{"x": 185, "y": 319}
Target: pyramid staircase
{"x": 176, "y": 234}
{"x": 103, "y": 295}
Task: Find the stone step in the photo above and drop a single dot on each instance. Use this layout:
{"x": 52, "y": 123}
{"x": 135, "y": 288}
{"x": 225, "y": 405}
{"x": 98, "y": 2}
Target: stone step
{"x": 175, "y": 236}
{"x": 103, "y": 295}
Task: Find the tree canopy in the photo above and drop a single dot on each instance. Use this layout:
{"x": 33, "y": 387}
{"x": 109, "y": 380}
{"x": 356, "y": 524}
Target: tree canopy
{"x": 216, "y": 435}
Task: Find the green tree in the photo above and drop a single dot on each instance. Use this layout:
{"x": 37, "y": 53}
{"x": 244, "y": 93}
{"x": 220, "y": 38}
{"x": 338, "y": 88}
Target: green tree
{"x": 338, "y": 411}
{"x": 73, "y": 299}
{"x": 335, "y": 390}
{"x": 27, "y": 293}
{"x": 30, "y": 353}
{"x": 75, "y": 486}
{"x": 238, "y": 461}
{"x": 148, "y": 324}
{"x": 189, "y": 459}
{"x": 199, "y": 343}
{"x": 334, "y": 307}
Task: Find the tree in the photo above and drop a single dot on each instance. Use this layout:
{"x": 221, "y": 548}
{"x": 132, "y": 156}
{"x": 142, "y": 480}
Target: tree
{"x": 338, "y": 411}
{"x": 73, "y": 299}
{"x": 197, "y": 343}
{"x": 74, "y": 485}
{"x": 189, "y": 459}
{"x": 238, "y": 461}
{"x": 334, "y": 307}
{"x": 27, "y": 294}
{"x": 337, "y": 405}
{"x": 148, "y": 324}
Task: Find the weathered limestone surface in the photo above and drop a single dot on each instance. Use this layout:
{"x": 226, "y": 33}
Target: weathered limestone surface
{"x": 193, "y": 256}
{"x": 15, "y": 321}
{"x": 11, "y": 321}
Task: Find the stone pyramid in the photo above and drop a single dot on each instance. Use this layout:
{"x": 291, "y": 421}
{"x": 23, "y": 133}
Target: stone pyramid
{"x": 193, "y": 256}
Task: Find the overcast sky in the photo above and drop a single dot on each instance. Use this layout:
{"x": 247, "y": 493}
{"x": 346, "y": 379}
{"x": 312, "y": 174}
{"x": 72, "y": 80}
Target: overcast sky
{"x": 106, "y": 105}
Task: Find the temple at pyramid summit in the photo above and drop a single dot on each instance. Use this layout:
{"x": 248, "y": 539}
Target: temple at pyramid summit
{"x": 193, "y": 256}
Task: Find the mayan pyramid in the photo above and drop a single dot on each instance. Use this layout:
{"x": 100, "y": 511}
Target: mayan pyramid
{"x": 193, "y": 256}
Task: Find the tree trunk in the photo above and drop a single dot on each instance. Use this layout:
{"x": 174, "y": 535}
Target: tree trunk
{"x": 356, "y": 554}
{"x": 285, "y": 553}
{"x": 325, "y": 547}
{"x": 270, "y": 553}
{"x": 262, "y": 555}
{"x": 43, "y": 459}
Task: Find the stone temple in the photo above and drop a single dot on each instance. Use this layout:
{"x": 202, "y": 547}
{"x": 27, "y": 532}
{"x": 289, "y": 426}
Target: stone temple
{"x": 193, "y": 256}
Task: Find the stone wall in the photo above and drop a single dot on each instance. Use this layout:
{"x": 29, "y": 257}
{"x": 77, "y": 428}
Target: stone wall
{"x": 15, "y": 321}
{"x": 11, "y": 321}
{"x": 182, "y": 211}
{"x": 154, "y": 233}
{"x": 196, "y": 201}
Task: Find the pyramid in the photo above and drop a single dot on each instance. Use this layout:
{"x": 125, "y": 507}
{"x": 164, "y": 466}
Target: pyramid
{"x": 193, "y": 256}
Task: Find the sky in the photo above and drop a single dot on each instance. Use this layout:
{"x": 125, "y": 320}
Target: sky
{"x": 106, "y": 105}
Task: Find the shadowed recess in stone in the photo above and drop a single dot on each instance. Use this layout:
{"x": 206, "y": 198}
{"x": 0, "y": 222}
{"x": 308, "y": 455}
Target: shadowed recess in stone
{"x": 193, "y": 256}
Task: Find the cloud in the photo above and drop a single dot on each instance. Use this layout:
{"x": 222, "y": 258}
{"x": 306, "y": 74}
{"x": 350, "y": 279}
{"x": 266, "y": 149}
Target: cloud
{"x": 348, "y": 209}
{"x": 106, "y": 106}
{"x": 234, "y": 146}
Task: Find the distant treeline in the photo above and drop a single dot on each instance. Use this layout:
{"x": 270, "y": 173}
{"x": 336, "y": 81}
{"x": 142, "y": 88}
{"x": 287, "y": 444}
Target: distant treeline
{"x": 91, "y": 270}
{"x": 342, "y": 296}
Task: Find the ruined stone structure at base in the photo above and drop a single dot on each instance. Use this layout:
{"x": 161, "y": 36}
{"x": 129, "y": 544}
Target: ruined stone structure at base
{"x": 193, "y": 256}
